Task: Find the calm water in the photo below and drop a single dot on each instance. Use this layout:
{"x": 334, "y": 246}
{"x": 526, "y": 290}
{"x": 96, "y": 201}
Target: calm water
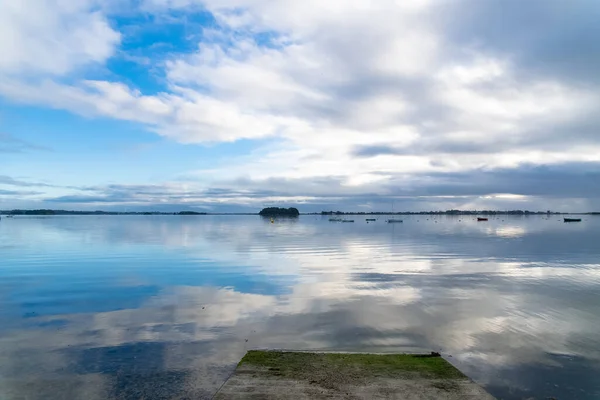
{"x": 165, "y": 306}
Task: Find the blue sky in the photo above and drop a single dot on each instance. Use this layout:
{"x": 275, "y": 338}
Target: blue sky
{"x": 234, "y": 105}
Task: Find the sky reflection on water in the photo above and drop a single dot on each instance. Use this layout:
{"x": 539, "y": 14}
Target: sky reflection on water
{"x": 117, "y": 307}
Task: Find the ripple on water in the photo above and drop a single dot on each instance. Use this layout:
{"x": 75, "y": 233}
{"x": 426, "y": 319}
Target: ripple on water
{"x": 516, "y": 301}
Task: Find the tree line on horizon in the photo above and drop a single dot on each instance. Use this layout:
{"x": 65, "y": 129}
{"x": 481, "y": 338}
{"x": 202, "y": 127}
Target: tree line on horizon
{"x": 67, "y": 212}
{"x": 452, "y": 212}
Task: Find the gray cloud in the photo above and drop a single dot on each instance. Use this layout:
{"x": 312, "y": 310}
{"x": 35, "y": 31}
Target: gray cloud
{"x": 440, "y": 146}
{"x": 18, "y": 192}
{"x": 11, "y": 144}
{"x": 566, "y": 180}
{"x": 377, "y": 150}
{"x": 87, "y": 199}
{"x": 545, "y": 186}
{"x": 7, "y": 180}
{"x": 543, "y": 37}
{"x": 411, "y": 106}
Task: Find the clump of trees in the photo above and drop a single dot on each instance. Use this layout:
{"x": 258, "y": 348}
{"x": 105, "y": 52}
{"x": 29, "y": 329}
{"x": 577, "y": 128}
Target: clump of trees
{"x": 279, "y": 212}
{"x": 31, "y": 212}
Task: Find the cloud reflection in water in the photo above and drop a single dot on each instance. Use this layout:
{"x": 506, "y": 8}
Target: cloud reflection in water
{"x": 109, "y": 307}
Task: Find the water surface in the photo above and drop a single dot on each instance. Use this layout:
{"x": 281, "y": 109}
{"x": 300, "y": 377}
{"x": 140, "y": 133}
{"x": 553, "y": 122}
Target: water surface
{"x": 110, "y": 307}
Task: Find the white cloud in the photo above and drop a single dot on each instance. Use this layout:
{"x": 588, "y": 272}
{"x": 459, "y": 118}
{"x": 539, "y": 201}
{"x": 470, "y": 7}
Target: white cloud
{"x": 324, "y": 78}
{"x": 53, "y": 36}
{"x": 188, "y": 116}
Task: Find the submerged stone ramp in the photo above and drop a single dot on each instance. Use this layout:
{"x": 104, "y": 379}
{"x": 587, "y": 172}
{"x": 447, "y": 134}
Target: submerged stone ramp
{"x": 300, "y": 375}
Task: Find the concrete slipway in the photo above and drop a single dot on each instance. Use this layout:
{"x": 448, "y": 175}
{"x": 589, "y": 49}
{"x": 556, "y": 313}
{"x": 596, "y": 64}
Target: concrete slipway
{"x": 271, "y": 375}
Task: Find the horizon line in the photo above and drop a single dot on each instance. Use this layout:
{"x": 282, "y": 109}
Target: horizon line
{"x": 45, "y": 211}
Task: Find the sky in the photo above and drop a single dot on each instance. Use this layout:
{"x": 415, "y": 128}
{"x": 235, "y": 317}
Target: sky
{"x": 234, "y": 105}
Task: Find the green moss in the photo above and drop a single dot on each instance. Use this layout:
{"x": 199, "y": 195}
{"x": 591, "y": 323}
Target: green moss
{"x": 318, "y": 367}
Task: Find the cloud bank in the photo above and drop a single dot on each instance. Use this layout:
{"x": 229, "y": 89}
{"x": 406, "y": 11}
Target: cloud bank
{"x": 354, "y": 100}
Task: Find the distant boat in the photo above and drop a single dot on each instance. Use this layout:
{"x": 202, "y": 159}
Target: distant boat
{"x": 572, "y": 219}
{"x": 371, "y": 220}
{"x": 482, "y": 219}
{"x": 394, "y": 221}
{"x": 347, "y": 220}
{"x": 335, "y": 220}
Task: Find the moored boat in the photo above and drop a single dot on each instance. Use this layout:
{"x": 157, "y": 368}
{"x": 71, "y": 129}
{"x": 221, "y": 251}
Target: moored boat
{"x": 481, "y": 219}
{"x": 394, "y": 221}
{"x": 572, "y": 219}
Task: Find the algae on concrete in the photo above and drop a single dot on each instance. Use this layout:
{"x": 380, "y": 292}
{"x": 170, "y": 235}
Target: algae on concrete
{"x": 302, "y": 375}
{"x": 301, "y": 364}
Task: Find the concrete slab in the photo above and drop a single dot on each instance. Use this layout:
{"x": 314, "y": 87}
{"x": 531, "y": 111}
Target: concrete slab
{"x": 299, "y": 375}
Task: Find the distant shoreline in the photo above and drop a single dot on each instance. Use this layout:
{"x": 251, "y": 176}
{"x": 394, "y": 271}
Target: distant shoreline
{"x": 65, "y": 212}
{"x": 456, "y": 213}
{"x": 19, "y": 212}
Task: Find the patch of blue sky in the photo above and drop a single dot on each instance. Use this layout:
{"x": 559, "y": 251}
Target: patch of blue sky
{"x": 79, "y": 148}
{"x": 271, "y": 39}
{"x": 149, "y": 40}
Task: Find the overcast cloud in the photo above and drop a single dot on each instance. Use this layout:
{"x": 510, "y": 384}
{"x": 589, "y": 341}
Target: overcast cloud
{"x": 354, "y": 103}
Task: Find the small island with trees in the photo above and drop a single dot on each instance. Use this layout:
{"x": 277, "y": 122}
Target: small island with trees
{"x": 279, "y": 212}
